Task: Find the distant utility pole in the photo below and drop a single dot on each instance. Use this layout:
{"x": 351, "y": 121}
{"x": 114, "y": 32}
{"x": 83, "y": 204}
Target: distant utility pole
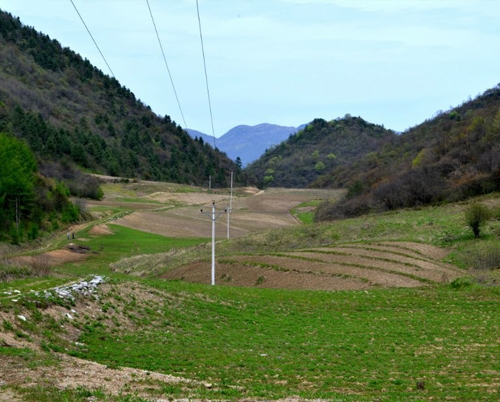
{"x": 213, "y": 217}
{"x": 230, "y": 209}
{"x": 209, "y": 182}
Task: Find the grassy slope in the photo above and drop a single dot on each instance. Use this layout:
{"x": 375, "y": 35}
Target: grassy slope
{"x": 272, "y": 343}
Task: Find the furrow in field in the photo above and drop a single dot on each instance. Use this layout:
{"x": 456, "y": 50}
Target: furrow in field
{"x": 411, "y": 250}
{"x": 236, "y": 274}
{"x": 383, "y": 261}
{"x": 390, "y": 257}
{"x": 377, "y": 276}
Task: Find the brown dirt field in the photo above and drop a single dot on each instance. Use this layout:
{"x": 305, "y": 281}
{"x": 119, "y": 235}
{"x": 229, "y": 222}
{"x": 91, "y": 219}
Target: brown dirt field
{"x": 251, "y": 276}
{"x": 136, "y": 206}
{"x": 100, "y": 230}
{"x": 264, "y": 210}
{"x": 375, "y": 277}
{"x": 420, "y": 262}
{"x": 179, "y": 223}
{"x": 430, "y": 272}
{"x": 428, "y": 253}
{"x": 188, "y": 198}
{"x": 51, "y": 258}
{"x": 338, "y": 268}
{"x": 395, "y": 261}
{"x": 427, "y": 250}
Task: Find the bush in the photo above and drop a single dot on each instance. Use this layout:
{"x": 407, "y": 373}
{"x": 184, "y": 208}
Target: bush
{"x": 475, "y": 216}
{"x": 40, "y": 265}
{"x": 8, "y": 271}
{"x": 484, "y": 259}
{"x": 347, "y": 208}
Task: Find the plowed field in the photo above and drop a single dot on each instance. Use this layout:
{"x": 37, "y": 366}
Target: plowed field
{"x": 263, "y": 210}
{"x": 348, "y": 267}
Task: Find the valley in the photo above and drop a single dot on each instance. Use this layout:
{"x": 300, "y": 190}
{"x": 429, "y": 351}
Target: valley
{"x": 299, "y": 311}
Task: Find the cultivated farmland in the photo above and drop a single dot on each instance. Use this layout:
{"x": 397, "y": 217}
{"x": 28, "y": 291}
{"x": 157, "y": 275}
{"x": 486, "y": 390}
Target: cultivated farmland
{"x": 380, "y": 308}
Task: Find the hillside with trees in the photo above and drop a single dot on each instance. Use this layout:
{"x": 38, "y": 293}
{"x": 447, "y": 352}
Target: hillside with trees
{"x": 320, "y": 148}
{"x": 71, "y": 114}
{"x": 451, "y": 157}
{"x": 29, "y": 203}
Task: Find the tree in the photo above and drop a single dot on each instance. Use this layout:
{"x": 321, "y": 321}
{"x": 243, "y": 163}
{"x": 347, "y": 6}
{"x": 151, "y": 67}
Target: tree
{"x": 476, "y": 215}
{"x": 238, "y": 162}
{"x": 17, "y": 178}
{"x": 319, "y": 166}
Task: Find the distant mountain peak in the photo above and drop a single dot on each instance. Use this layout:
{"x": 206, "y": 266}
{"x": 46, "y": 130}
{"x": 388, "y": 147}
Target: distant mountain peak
{"x": 248, "y": 142}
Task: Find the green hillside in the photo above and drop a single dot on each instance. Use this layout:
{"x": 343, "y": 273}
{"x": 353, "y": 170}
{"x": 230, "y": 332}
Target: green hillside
{"x": 321, "y": 147}
{"x": 70, "y": 113}
{"x": 451, "y": 157}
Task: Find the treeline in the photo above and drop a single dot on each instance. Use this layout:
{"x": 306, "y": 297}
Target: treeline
{"x": 321, "y": 147}
{"x": 451, "y": 157}
{"x": 29, "y": 202}
{"x": 69, "y": 112}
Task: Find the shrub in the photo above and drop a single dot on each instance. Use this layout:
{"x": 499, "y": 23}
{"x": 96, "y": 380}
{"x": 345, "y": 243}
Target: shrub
{"x": 40, "y": 265}
{"x": 475, "y": 216}
{"x": 483, "y": 258}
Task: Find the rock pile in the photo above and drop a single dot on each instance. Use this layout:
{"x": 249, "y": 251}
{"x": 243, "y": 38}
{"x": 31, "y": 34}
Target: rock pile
{"x": 84, "y": 288}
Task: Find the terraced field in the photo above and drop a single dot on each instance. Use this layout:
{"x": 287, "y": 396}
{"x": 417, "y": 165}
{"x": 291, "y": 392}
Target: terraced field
{"x": 345, "y": 267}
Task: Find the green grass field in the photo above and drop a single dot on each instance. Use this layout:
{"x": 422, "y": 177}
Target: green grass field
{"x": 343, "y": 346}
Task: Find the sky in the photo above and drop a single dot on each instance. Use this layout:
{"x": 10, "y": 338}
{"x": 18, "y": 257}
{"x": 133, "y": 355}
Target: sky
{"x": 287, "y": 62}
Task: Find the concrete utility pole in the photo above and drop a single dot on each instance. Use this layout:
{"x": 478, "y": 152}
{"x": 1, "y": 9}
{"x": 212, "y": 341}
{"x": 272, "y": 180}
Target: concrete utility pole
{"x": 213, "y": 217}
{"x": 230, "y": 209}
{"x": 209, "y": 182}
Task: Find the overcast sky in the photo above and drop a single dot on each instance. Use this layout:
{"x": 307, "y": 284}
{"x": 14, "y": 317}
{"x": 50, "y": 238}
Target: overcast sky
{"x": 286, "y": 62}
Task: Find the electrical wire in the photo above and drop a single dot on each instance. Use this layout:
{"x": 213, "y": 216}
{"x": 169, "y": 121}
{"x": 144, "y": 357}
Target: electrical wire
{"x": 206, "y": 75}
{"x": 166, "y": 64}
{"x": 95, "y": 43}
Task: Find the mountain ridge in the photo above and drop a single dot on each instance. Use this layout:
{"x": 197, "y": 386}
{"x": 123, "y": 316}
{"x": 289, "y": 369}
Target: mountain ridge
{"x": 248, "y": 142}
{"x": 70, "y": 112}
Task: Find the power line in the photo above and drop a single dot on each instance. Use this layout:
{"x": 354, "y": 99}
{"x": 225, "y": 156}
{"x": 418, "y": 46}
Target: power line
{"x": 95, "y": 43}
{"x": 206, "y": 75}
{"x": 166, "y": 64}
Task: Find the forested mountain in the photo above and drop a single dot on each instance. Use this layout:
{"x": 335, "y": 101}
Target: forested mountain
{"x": 452, "y": 156}
{"x": 320, "y": 148}
{"x": 248, "y": 143}
{"x": 69, "y": 112}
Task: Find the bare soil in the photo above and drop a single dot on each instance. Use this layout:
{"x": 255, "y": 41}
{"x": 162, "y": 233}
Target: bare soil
{"x": 100, "y": 230}
{"x": 236, "y": 274}
{"x": 260, "y": 211}
{"x": 339, "y": 268}
{"x": 52, "y": 258}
